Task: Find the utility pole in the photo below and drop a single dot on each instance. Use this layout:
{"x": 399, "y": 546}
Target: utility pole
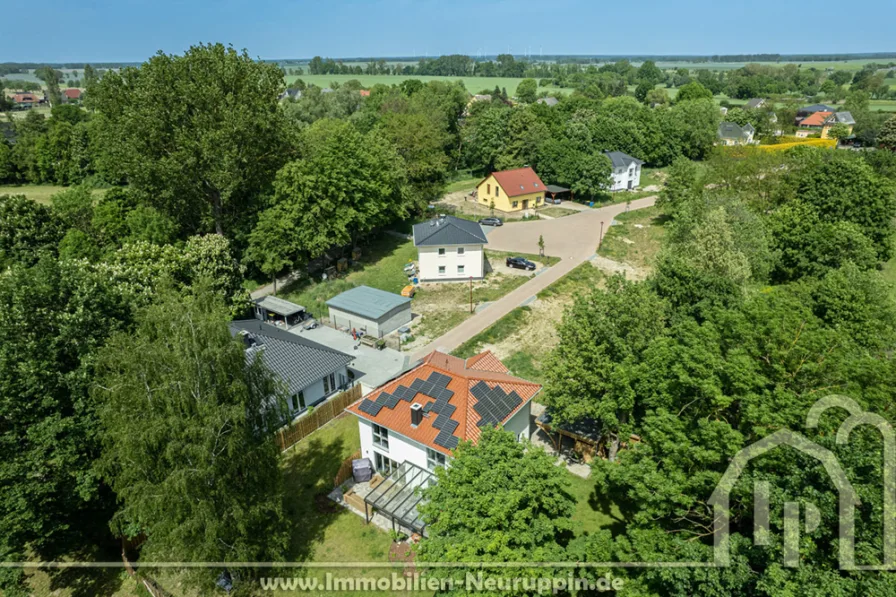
{"x": 600, "y": 240}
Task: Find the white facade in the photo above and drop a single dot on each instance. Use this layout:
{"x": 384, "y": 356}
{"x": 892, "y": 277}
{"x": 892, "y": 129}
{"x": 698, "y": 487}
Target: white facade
{"x": 317, "y": 392}
{"x": 626, "y": 179}
{"x": 388, "y": 323}
{"x": 451, "y": 262}
{"x": 401, "y": 449}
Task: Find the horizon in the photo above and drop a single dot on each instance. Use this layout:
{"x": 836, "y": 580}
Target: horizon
{"x": 104, "y": 31}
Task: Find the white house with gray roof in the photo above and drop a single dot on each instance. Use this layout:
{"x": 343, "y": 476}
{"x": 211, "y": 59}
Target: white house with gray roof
{"x": 311, "y": 372}
{"x": 372, "y": 310}
{"x": 449, "y": 248}
{"x": 626, "y": 174}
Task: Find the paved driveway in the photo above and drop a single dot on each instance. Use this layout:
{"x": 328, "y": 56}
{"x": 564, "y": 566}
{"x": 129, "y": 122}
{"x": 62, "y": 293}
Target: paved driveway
{"x": 573, "y": 238}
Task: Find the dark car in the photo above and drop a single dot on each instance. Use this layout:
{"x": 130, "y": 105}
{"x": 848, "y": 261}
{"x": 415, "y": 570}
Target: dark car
{"x": 520, "y": 263}
{"x": 491, "y": 222}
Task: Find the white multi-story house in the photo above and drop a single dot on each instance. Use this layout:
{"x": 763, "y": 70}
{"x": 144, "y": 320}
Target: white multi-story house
{"x": 449, "y": 248}
{"x": 731, "y": 133}
{"x": 626, "y": 174}
{"x": 421, "y": 416}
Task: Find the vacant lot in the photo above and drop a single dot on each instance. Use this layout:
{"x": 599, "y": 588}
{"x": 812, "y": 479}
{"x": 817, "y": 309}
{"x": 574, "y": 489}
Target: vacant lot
{"x": 636, "y": 239}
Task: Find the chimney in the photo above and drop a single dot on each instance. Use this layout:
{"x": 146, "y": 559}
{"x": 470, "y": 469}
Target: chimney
{"x": 416, "y": 414}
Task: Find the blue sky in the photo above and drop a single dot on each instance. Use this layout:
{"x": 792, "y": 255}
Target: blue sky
{"x": 132, "y": 30}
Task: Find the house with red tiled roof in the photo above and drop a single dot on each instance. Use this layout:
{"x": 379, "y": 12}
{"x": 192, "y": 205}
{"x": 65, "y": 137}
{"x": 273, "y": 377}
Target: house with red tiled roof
{"x": 422, "y": 415}
{"x": 71, "y": 94}
{"x": 511, "y": 190}
{"x": 822, "y": 122}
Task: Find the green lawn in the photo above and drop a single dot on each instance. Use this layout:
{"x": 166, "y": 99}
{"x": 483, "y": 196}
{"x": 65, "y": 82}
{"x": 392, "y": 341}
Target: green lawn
{"x": 309, "y": 468}
{"x": 467, "y": 184}
{"x": 382, "y": 264}
{"x": 591, "y": 513}
{"x": 39, "y": 192}
{"x": 499, "y": 256}
{"x": 557, "y": 212}
{"x": 645, "y": 241}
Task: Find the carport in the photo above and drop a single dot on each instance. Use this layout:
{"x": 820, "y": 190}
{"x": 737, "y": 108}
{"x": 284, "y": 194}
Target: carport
{"x": 552, "y": 190}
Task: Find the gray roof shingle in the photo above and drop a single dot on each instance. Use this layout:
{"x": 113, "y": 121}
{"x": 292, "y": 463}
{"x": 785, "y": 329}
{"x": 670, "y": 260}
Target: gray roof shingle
{"x": 297, "y": 361}
{"x": 368, "y": 302}
{"x": 448, "y": 231}
{"x": 732, "y": 130}
{"x": 621, "y": 160}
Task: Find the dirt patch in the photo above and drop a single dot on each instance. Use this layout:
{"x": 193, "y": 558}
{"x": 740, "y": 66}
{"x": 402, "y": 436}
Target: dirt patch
{"x": 538, "y": 336}
{"x": 614, "y": 267}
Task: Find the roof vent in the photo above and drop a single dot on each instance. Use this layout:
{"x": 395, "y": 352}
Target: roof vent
{"x": 416, "y": 414}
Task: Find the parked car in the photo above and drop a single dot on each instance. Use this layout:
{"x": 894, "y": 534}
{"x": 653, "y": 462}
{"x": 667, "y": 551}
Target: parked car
{"x": 554, "y": 200}
{"x": 491, "y": 222}
{"x": 520, "y": 263}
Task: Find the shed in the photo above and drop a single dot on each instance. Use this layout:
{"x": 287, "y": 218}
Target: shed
{"x": 278, "y": 311}
{"x": 375, "y": 311}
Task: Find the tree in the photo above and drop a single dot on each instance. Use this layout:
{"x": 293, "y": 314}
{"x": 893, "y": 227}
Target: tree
{"x": 198, "y": 136}
{"x": 28, "y": 230}
{"x": 839, "y": 131}
{"x": 601, "y": 337}
{"x": 53, "y": 318}
{"x": 681, "y": 186}
{"x": 499, "y": 501}
{"x": 270, "y": 249}
{"x": 642, "y": 91}
{"x": 692, "y": 91}
{"x": 191, "y": 456}
{"x": 345, "y": 185}
{"x": 650, "y": 73}
{"x": 526, "y": 91}
{"x": 887, "y": 136}
{"x": 541, "y": 245}
{"x": 659, "y": 97}
{"x": 593, "y": 175}
{"x": 51, "y": 78}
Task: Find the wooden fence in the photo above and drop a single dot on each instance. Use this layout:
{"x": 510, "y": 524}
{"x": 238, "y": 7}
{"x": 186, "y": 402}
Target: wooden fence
{"x": 320, "y": 416}
{"x": 345, "y": 469}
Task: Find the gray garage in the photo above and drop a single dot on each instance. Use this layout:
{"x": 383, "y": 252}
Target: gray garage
{"x": 376, "y": 311}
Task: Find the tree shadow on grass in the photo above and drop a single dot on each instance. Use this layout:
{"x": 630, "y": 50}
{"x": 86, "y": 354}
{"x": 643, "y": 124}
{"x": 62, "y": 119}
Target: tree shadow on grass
{"x": 308, "y": 474}
{"x": 88, "y": 582}
{"x": 604, "y": 505}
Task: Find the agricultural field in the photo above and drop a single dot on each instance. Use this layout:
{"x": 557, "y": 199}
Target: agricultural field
{"x": 473, "y": 84}
{"x": 40, "y": 193}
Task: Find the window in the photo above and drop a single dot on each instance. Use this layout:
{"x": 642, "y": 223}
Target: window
{"x": 460, "y": 250}
{"x": 329, "y": 383}
{"x": 515, "y": 203}
{"x": 538, "y": 199}
{"x": 384, "y": 465}
{"x": 441, "y": 269}
{"x": 488, "y": 189}
{"x": 441, "y": 251}
{"x": 496, "y": 191}
{"x": 434, "y": 459}
{"x": 460, "y": 269}
{"x": 380, "y": 437}
{"x": 297, "y": 402}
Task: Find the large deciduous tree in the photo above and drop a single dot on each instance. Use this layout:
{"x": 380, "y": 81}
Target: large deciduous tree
{"x": 198, "y": 136}
{"x": 27, "y": 230}
{"x": 53, "y": 319}
{"x": 499, "y": 501}
{"x": 188, "y": 444}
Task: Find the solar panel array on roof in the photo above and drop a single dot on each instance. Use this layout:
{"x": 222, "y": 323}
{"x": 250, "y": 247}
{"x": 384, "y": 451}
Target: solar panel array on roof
{"x": 446, "y": 440}
{"x": 493, "y": 405}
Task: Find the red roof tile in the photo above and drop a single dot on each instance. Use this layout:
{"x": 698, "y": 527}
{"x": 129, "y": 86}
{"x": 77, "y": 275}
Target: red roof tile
{"x": 521, "y": 181}
{"x": 486, "y": 361}
{"x": 72, "y": 93}
{"x": 484, "y": 367}
{"x": 816, "y": 119}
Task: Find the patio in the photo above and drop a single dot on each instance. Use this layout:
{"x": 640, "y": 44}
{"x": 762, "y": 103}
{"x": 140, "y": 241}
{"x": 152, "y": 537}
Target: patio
{"x": 389, "y": 503}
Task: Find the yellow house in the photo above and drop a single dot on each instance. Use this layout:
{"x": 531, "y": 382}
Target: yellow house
{"x": 511, "y": 190}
